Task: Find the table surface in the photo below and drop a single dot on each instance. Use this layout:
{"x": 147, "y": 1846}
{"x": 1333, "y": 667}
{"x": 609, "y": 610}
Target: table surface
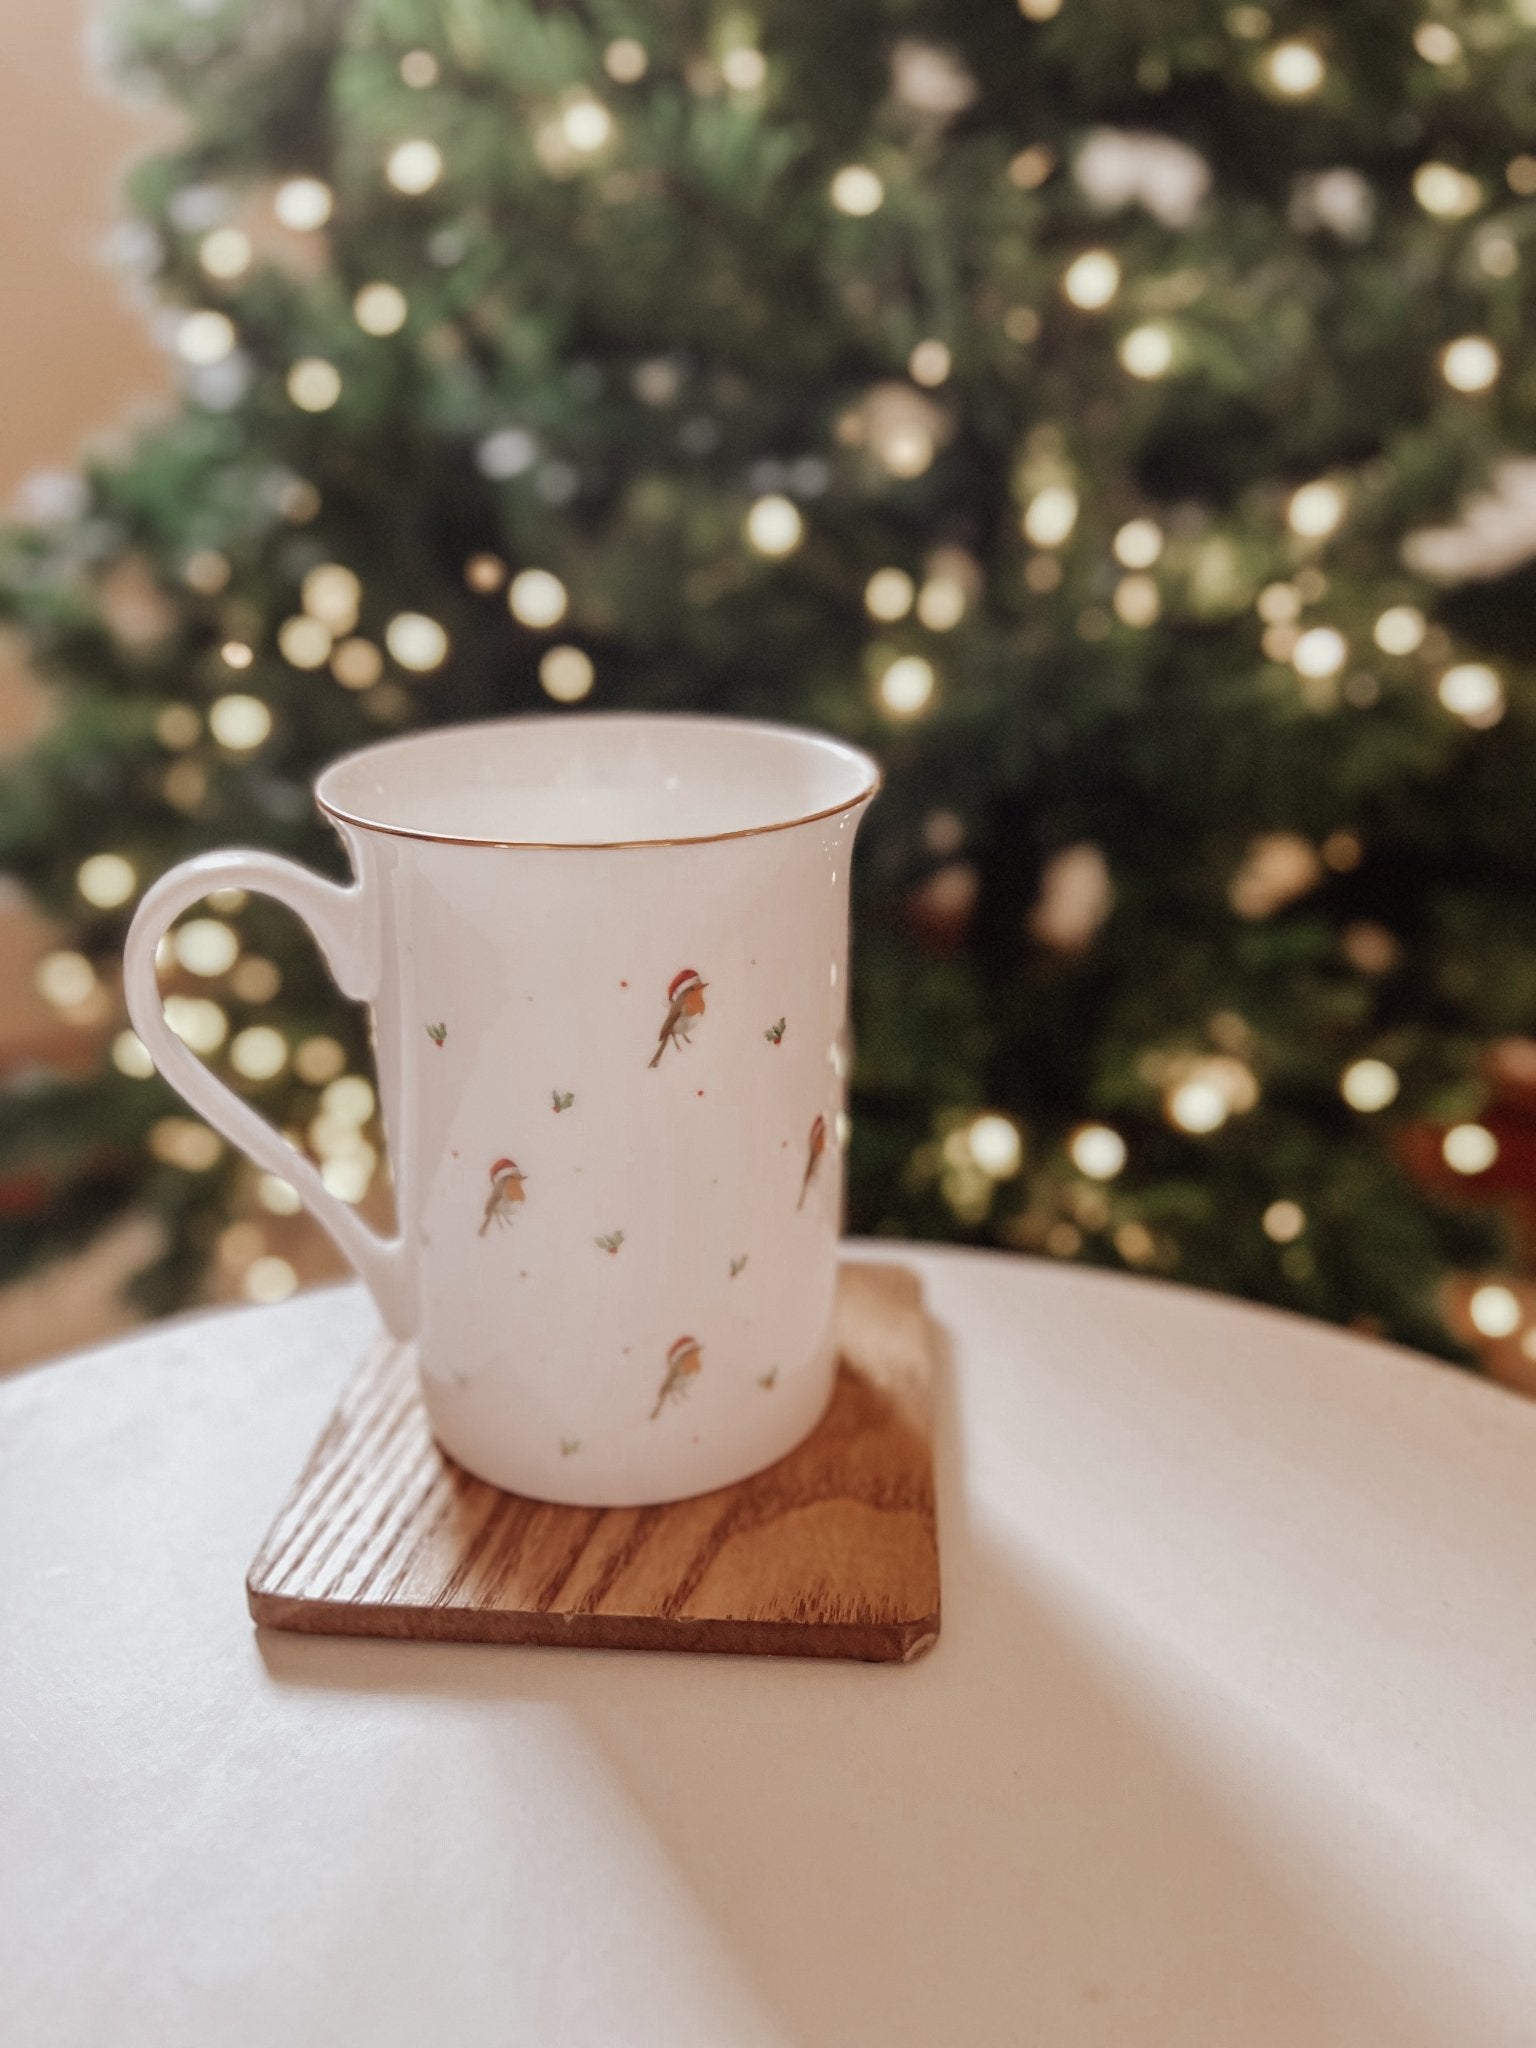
{"x": 1230, "y": 1737}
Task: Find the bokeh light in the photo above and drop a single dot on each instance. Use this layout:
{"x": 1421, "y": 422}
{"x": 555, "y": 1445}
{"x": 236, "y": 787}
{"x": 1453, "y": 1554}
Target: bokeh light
{"x": 303, "y": 204}
{"x": 566, "y": 674}
{"x": 537, "y": 598}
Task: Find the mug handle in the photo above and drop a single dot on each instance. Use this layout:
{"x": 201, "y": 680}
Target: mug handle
{"x": 332, "y": 914}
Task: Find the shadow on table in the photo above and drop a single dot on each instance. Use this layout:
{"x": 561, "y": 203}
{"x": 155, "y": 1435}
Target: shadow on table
{"x": 1009, "y": 1841}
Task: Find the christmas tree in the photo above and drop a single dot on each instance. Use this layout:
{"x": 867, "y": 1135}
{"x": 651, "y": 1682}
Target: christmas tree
{"x": 1078, "y": 405}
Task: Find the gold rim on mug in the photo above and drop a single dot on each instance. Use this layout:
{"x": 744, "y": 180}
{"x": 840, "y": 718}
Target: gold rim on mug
{"x": 875, "y": 774}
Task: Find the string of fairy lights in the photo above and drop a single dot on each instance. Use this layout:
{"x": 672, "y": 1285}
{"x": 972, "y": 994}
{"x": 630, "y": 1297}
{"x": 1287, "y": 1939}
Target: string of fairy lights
{"x": 900, "y": 426}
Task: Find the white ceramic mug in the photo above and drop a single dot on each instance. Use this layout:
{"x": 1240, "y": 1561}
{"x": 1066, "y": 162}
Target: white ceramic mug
{"x": 607, "y": 963}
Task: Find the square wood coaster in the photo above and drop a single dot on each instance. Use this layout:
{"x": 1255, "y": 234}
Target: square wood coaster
{"x": 832, "y": 1552}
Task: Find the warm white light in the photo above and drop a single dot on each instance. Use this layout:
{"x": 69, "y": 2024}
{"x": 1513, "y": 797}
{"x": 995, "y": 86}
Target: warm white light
{"x": 774, "y": 526}
{"x": 1097, "y": 1151}
{"x": 239, "y": 723}
{"x": 1469, "y": 1148}
{"x": 357, "y": 664}
{"x": 269, "y": 1279}
{"x": 419, "y": 69}
{"x": 106, "y": 880}
{"x": 1278, "y": 603}
{"x": 182, "y": 1141}
{"x": 1472, "y": 691}
{"x": 929, "y": 363}
{"x": 1147, "y": 351}
{"x": 303, "y": 642}
{"x": 1400, "y": 629}
{"x": 303, "y": 203}
{"x": 1471, "y": 363}
{"x": 625, "y": 60}
{"x": 941, "y": 603}
{"x": 1284, "y": 1222}
{"x": 1050, "y": 516}
{"x": 416, "y": 642}
{"x": 347, "y": 1176}
{"x": 319, "y": 1059}
{"x": 1029, "y": 171}
{"x": 380, "y": 309}
{"x": 1295, "y": 70}
{"x": 1315, "y": 510}
{"x": 332, "y": 594}
{"x": 996, "y": 1146}
{"x": 1321, "y": 651}
{"x": 906, "y": 686}
{"x": 225, "y": 254}
{"x": 197, "y": 1022}
{"x": 206, "y": 571}
{"x": 904, "y": 446}
{"x": 1436, "y": 43}
{"x": 857, "y": 190}
{"x": 258, "y": 1052}
{"x": 277, "y": 1196}
{"x": 485, "y": 573}
{"x": 1198, "y": 1107}
{"x": 587, "y": 124}
{"x": 64, "y": 979}
{"x": 1139, "y": 543}
{"x": 1138, "y": 601}
{"x": 237, "y": 654}
{"x": 1495, "y": 1311}
{"x": 1039, "y": 10}
{"x": 414, "y": 166}
{"x": 744, "y": 69}
{"x": 1092, "y": 280}
{"x": 130, "y": 1056}
{"x": 314, "y": 385}
{"x": 888, "y": 594}
{"x": 1445, "y": 192}
{"x": 536, "y": 598}
{"x": 1369, "y": 1085}
{"x": 206, "y": 946}
{"x": 204, "y": 338}
{"x": 350, "y": 1100}
{"x": 566, "y": 674}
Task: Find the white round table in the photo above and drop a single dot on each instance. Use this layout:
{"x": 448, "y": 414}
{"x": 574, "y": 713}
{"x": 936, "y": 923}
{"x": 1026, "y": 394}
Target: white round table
{"x": 1229, "y": 1739}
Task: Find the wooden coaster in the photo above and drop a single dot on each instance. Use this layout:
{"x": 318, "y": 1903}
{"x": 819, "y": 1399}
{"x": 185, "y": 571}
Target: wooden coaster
{"x": 832, "y": 1552}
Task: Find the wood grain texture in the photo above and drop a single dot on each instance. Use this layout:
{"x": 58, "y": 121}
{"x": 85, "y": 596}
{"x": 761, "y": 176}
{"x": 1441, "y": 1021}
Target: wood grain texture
{"x": 832, "y": 1552}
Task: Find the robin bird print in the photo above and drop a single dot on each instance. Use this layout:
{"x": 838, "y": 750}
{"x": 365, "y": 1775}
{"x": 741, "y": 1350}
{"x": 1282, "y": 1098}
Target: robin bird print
{"x": 683, "y": 1361}
{"x": 816, "y": 1145}
{"x": 685, "y": 1001}
{"x": 507, "y": 1179}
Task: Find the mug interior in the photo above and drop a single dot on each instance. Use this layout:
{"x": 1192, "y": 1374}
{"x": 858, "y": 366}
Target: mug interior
{"x": 596, "y": 780}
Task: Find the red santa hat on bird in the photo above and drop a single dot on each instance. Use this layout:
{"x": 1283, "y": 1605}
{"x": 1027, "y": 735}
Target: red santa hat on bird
{"x": 685, "y": 979}
{"x": 506, "y": 1170}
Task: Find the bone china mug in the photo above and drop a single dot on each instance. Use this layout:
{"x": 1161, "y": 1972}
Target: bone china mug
{"x": 607, "y": 964}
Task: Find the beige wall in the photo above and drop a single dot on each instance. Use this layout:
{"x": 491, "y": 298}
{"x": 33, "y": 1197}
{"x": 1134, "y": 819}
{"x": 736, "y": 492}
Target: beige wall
{"x": 73, "y": 355}
{"x": 73, "y": 358}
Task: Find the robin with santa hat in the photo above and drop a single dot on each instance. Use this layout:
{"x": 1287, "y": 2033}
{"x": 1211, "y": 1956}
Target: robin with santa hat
{"x": 683, "y": 1361}
{"x": 685, "y": 1001}
{"x": 816, "y": 1145}
{"x": 507, "y": 1179}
